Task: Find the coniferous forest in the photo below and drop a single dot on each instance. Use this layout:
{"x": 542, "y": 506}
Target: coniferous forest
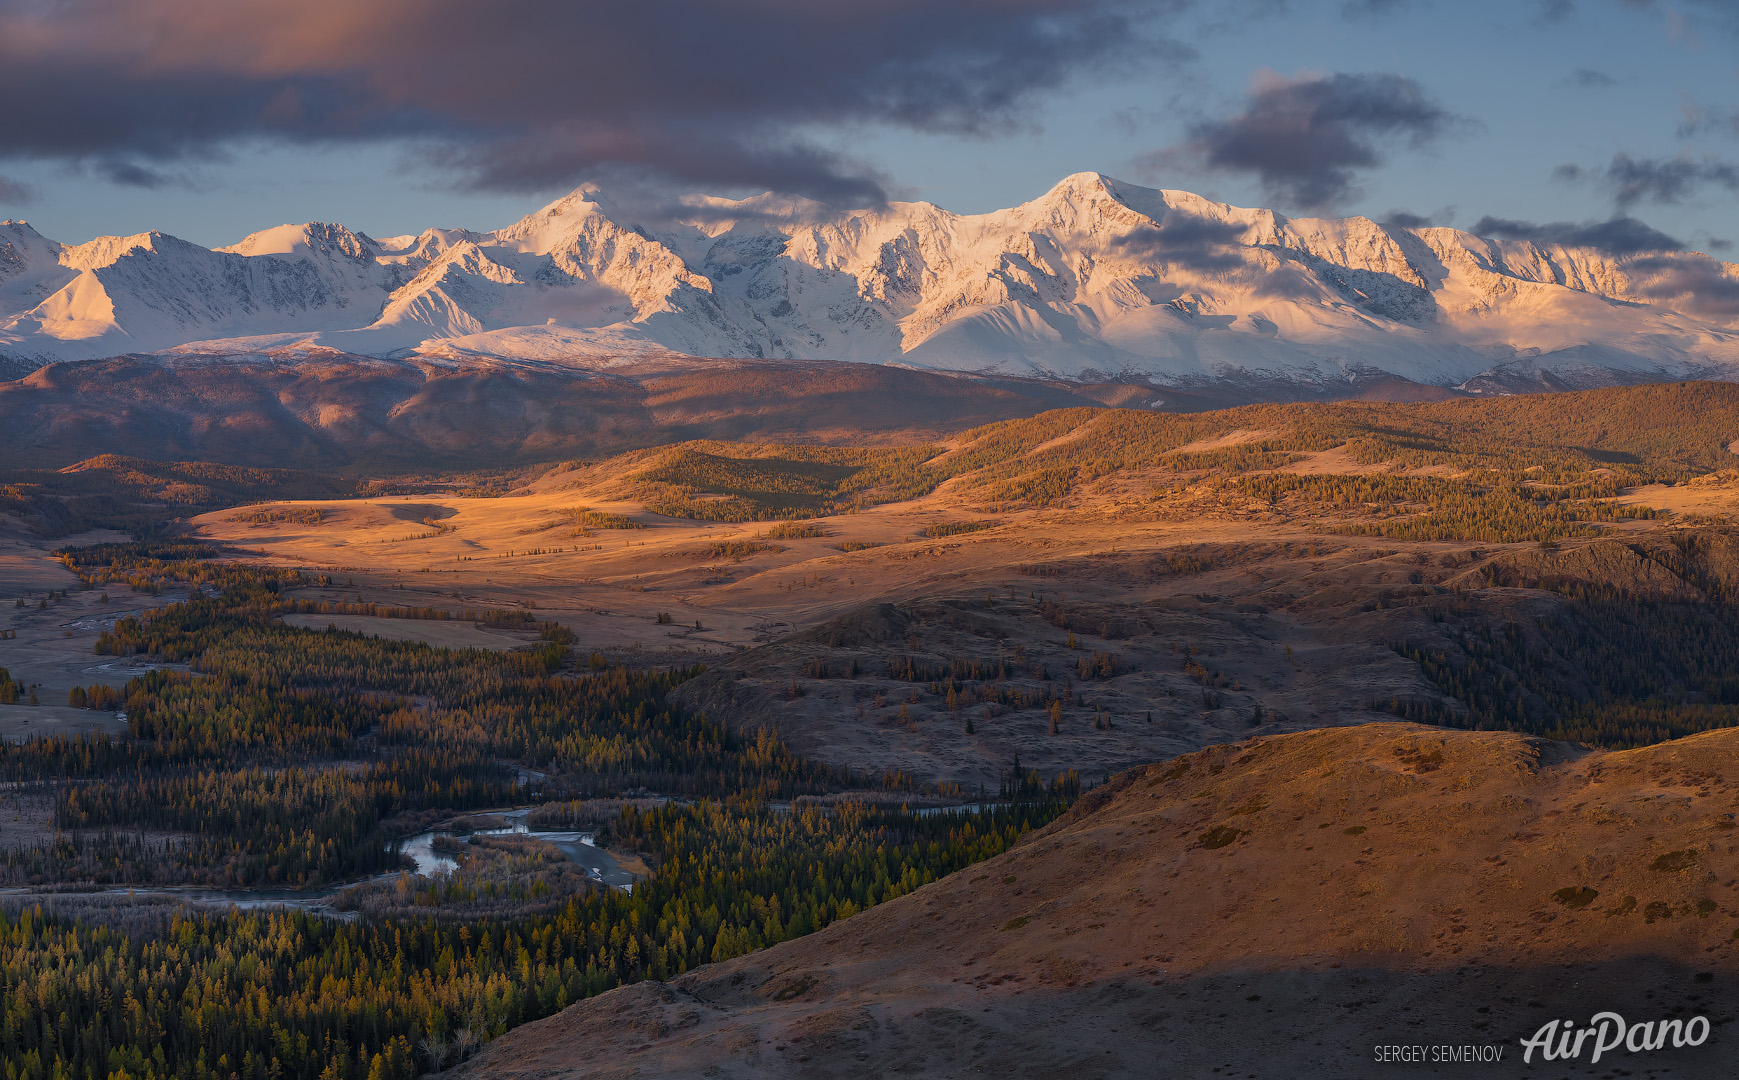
{"x": 291, "y": 759}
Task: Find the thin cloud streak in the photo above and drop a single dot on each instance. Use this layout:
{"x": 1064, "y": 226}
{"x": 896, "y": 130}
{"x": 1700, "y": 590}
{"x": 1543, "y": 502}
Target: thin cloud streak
{"x": 1619, "y": 236}
{"x": 1403, "y": 219}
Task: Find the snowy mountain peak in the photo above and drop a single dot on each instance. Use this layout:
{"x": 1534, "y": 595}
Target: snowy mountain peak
{"x": 19, "y": 229}
{"x": 558, "y": 221}
{"x": 1095, "y": 277}
{"x": 315, "y": 237}
{"x": 1078, "y": 188}
{"x": 22, "y": 247}
{"x": 108, "y": 250}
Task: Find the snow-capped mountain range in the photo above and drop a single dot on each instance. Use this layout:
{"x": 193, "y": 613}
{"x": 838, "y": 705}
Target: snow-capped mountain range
{"x": 1094, "y": 279}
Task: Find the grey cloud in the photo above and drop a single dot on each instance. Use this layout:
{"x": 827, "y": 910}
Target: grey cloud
{"x": 1591, "y": 78}
{"x": 1237, "y": 16}
{"x": 1288, "y": 281}
{"x": 1365, "y": 9}
{"x": 1716, "y": 121}
{"x": 1305, "y": 138}
{"x": 1654, "y": 180}
{"x": 652, "y": 201}
{"x": 1552, "y": 12}
{"x": 1718, "y": 244}
{"x": 1402, "y": 219}
{"x": 1196, "y": 243}
{"x": 1619, "y": 236}
{"x": 1204, "y": 246}
{"x": 15, "y": 191}
{"x": 1691, "y": 17}
{"x": 1636, "y": 180}
{"x": 520, "y": 95}
{"x": 1698, "y": 281}
{"x": 129, "y": 174}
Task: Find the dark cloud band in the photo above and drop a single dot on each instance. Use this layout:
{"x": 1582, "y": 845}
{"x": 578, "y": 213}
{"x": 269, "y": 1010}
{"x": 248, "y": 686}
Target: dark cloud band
{"x": 1196, "y": 243}
{"x": 523, "y": 94}
{"x": 1306, "y": 138}
{"x": 1619, "y": 236}
{"x": 1634, "y": 180}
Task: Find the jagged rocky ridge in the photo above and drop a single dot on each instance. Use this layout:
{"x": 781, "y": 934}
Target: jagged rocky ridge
{"x": 1095, "y": 279}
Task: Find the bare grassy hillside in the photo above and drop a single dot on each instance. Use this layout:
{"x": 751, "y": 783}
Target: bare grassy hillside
{"x": 1271, "y": 908}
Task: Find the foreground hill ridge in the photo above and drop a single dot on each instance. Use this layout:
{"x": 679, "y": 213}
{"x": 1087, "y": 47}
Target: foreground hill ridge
{"x": 1095, "y": 278}
{"x": 1382, "y": 883}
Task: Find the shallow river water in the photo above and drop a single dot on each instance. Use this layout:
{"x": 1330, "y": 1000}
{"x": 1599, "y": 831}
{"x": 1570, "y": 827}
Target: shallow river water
{"x": 599, "y": 864}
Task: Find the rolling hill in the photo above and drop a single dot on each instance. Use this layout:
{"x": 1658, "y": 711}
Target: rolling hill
{"x": 1282, "y": 907}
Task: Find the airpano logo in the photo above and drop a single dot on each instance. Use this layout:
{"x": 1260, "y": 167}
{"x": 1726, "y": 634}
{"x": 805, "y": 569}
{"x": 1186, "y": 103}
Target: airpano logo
{"x": 1607, "y": 1032}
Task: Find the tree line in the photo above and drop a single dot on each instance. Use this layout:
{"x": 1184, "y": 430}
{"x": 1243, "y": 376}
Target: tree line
{"x": 289, "y": 757}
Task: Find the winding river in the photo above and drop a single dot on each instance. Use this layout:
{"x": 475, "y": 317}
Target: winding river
{"x": 579, "y": 846}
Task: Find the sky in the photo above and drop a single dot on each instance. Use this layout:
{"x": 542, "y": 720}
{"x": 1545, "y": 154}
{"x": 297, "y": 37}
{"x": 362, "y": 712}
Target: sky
{"x": 1608, "y": 122}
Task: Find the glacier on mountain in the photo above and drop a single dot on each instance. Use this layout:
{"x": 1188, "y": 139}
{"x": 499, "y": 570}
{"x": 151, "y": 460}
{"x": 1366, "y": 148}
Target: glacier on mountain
{"x": 1095, "y": 279}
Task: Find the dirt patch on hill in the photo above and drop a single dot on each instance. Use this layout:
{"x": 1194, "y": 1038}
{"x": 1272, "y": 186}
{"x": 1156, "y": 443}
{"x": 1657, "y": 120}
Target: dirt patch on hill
{"x": 1221, "y": 442}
